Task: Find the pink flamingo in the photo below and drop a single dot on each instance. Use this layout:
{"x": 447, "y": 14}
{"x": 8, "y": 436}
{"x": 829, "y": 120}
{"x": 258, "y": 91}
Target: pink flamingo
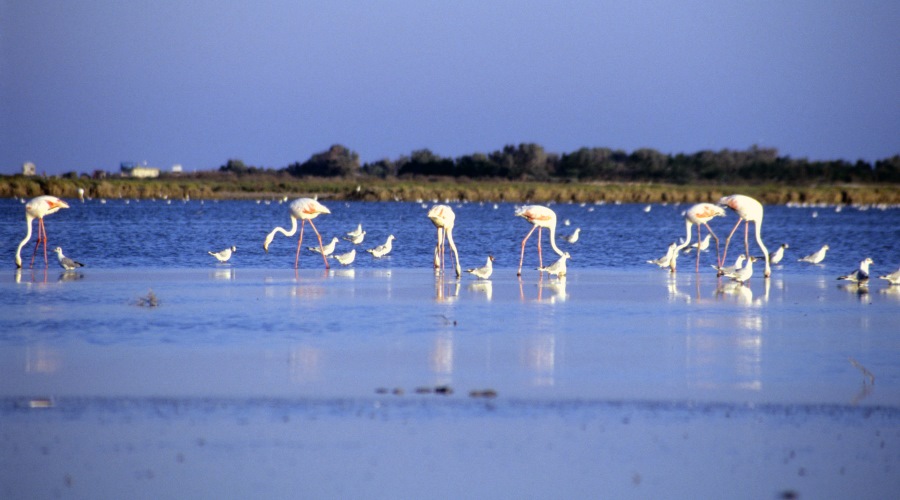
{"x": 305, "y": 209}
{"x": 38, "y": 208}
{"x": 700, "y": 214}
{"x": 749, "y": 210}
{"x": 540, "y": 217}
{"x": 443, "y": 218}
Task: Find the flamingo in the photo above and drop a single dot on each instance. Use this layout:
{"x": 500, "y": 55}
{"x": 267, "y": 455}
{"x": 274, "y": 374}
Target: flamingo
{"x": 305, "y": 209}
{"x": 484, "y": 272}
{"x": 65, "y": 262}
{"x": 540, "y": 217}
{"x": 558, "y": 268}
{"x": 38, "y": 208}
{"x": 817, "y": 256}
{"x": 748, "y": 210}
{"x": 860, "y": 275}
{"x": 443, "y": 218}
{"x": 700, "y": 214}
{"x": 223, "y": 255}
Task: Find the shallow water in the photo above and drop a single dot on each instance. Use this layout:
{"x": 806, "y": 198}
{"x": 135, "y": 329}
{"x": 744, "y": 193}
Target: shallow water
{"x": 252, "y": 378}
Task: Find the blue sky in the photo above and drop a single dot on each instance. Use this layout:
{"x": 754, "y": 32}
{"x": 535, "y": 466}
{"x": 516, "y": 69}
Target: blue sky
{"x": 86, "y": 84}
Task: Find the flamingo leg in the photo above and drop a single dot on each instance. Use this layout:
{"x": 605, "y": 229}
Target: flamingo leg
{"x": 717, "y": 242}
{"x": 699, "y": 239}
{"x": 300, "y": 242}
{"x": 42, "y": 237}
{"x": 728, "y": 242}
{"x": 522, "y": 257}
{"x": 540, "y": 256}
{"x": 321, "y": 246}
{"x": 747, "y": 238}
{"x": 437, "y": 250}
{"x": 455, "y": 251}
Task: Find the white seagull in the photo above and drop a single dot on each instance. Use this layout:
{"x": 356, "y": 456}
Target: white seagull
{"x": 860, "y": 275}
{"x": 572, "y": 238}
{"x": 777, "y": 255}
{"x": 817, "y": 257}
{"x": 326, "y": 249}
{"x": 223, "y": 255}
{"x": 743, "y": 274}
{"x": 345, "y": 259}
{"x": 666, "y": 259}
{"x": 382, "y": 250}
{"x": 483, "y": 272}
{"x": 893, "y": 278}
{"x": 356, "y": 232}
{"x": 66, "y": 263}
{"x": 704, "y": 244}
{"x": 558, "y": 268}
{"x": 725, "y": 271}
{"x": 356, "y": 240}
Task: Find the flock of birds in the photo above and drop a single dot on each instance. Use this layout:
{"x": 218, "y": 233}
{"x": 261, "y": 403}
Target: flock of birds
{"x": 540, "y": 217}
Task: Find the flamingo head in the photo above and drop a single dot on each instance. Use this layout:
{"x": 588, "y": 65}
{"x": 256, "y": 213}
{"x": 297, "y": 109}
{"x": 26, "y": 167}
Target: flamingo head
{"x": 269, "y": 238}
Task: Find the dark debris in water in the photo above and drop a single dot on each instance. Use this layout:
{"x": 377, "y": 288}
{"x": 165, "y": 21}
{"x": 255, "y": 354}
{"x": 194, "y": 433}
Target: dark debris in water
{"x": 150, "y": 300}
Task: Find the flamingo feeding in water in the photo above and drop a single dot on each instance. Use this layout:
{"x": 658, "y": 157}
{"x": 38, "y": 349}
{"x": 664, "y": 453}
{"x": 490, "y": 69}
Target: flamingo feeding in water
{"x": 443, "y": 218}
{"x": 540, "y": 217}
{"x": 38, "y": 208}
{"x": 700, "y": 214}
{"x": 748, "y": 210}
{"x": 305, "y": 209}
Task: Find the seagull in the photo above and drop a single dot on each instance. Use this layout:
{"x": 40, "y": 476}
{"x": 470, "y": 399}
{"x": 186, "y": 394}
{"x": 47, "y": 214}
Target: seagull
{"x": 558, "y": 268}
{"x": 382, "y": 250}
{"x": 777, "y": 255}
{"x": 725, "y": 271}
{"x": 356, "y": 232}
{"x": 743, "y": 274}
{"x": 860, "y": 275}
{"x": 356, "y": 240}
{"x": 485, "y": 271}
{"x": 572, "y": 238}
{"x": 817, "y": 257}
{"x": 704, "y": 244}
{"x": 345, "y": 259}
{"x": 893, "y": 278}
{"x": 66, "y": 263}
{"x": 666, "y": 259}
{"x": 223, "y": 255}
{"x": 326, "y": 249}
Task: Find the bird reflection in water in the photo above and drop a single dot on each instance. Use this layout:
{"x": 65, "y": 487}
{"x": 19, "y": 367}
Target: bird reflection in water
{"x": 70, "y": 276}
{"x": 555, "y": 290}
{"x": 539, "y": 356}
{"x": 485, "y": 287}
{"x": 226, "y": 274}
{"x": 445, "y": 291}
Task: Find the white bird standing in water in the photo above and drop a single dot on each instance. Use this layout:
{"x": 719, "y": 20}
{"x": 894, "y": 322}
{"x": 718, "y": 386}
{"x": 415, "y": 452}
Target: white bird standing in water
{"x": 778, "y": 254}
{"x": 356, "y": 232}
{"x": 66, "y": 263}
{"x": 816, "y": 257}
{"x": 484, "y": 272}
{"x": 223, "y": 255}
{"x": 558, "y": 268}
{"x": 382, "y": 250}
{"x": 357, "y": 239}
{"x": 305, "y": 209}
{"x": 860, "y": 275}
{"x": 725, "y": 271}
{"x": 665, "y": 260}
{"x": 892, "y": 278}
{"x": 345, "y": 259}
{"x": 38, "y": 208}
{"x": 444, "y": 219}
{"x": 748, "y": 210}
{"x": 700, "y": 215}
{"x": 743, "y": 274}
{"x": 701, "y": 247}
{"x": 325, "y": 250}
{"x": 572, "y": 238}
{"x": 539, "y": 217}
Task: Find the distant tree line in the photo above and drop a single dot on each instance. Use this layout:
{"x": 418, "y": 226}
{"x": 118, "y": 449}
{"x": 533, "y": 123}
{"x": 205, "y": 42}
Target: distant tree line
{"x": 529, "y": 161}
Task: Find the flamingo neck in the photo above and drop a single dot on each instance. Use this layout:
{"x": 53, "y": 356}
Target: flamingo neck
{"x": 293, "y": 230}
{"x": 687, "y": 238}
{"x": 28, "y": 219}
{"x": 553, "y": 240}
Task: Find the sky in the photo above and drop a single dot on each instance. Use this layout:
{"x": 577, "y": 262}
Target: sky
{"x": 88, "y": 84}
